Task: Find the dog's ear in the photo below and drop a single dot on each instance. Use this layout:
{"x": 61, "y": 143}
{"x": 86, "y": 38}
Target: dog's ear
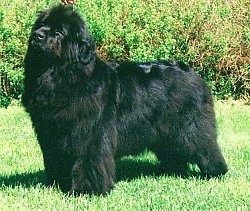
{"x": 87, "y": 48}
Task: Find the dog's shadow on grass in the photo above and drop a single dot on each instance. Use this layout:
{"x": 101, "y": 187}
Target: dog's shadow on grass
{"x": 127, "y": 169}
{"x": 130, "y": 169}
{"x": 26, "y": 180}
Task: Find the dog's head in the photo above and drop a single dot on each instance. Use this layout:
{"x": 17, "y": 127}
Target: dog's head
{"x": 60, "y": 34}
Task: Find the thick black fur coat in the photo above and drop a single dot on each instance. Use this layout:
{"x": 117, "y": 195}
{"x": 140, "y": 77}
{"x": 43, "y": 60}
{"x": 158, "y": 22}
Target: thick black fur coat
{"x": 88, "y": 113}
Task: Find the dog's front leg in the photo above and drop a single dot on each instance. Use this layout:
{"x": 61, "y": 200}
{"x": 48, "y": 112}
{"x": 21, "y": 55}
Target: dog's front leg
{"x": 93, "y": 175}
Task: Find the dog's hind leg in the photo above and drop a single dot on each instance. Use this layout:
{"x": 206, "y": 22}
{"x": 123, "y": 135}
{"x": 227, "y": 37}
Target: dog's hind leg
{"x": 210, "y": 159}
{"x": 206, "y": 152}
{"x": 191, "y": 138}
{"x": 197, "y": 140}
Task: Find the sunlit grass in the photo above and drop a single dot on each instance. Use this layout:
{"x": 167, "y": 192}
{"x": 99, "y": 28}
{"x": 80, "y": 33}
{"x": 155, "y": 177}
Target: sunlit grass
{"x": 139, "y": 187}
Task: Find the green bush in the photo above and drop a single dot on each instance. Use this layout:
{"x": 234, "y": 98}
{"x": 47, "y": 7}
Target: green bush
{"x": 213, "y": 37}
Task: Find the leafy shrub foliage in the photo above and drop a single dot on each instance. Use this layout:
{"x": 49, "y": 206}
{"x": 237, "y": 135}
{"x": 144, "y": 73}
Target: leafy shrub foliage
{"x": 212, "y": 36}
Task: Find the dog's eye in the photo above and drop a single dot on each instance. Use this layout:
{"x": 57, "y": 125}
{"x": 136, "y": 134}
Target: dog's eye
{"x": 59, "y": 34}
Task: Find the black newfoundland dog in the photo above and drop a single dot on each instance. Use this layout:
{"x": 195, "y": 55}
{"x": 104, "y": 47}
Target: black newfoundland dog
{"x": 88, "y": 113}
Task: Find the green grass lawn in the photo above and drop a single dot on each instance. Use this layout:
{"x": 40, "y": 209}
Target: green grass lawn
{"x": 139, "y": 187}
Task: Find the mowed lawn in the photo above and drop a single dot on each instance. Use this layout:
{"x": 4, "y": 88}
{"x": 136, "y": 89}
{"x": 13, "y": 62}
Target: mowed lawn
{"x": 139, "y": 185}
